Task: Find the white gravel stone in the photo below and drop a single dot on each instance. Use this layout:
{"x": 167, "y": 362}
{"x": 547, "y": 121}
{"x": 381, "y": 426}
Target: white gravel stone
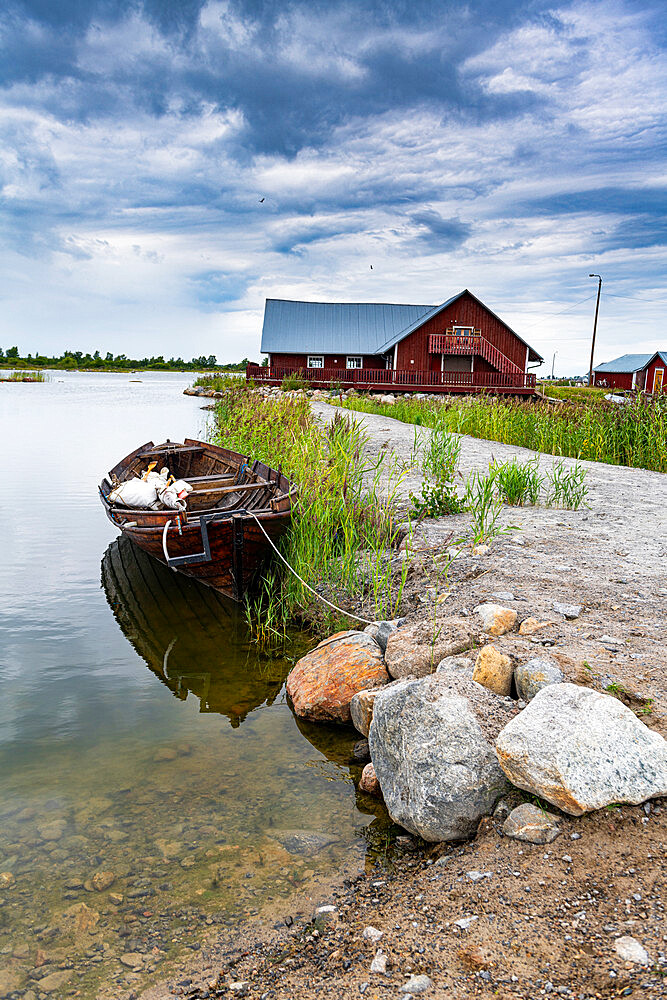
{"x": 630, "y": 950}
{"x": 371, "y": 933}
{"x": 416, "y": 985}
{"x": 379, "y": 963}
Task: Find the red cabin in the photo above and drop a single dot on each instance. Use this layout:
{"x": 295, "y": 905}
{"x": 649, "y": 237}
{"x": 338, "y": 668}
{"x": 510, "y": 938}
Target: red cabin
{"x": 459, "y": 346}
{"x": 642, "y": 372}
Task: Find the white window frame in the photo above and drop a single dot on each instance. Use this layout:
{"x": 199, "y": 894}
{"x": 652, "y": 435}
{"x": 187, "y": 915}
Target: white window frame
{"x": 316, "y": 361}
{"x": 350, "y": 362}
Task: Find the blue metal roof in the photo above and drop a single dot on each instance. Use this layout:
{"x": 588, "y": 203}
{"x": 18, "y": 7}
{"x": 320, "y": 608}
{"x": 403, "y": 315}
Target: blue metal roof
{"x": 626, "y": 363}
{"x": 334, "y": 327}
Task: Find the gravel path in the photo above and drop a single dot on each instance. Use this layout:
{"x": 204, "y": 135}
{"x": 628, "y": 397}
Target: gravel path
{"x": 623, "y": 533}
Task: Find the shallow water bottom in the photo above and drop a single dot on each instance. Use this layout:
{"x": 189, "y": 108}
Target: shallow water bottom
{"x": 117, "y": 866}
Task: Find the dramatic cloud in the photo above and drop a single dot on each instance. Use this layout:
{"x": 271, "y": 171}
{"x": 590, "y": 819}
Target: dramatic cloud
{"x": 164, "y": 166}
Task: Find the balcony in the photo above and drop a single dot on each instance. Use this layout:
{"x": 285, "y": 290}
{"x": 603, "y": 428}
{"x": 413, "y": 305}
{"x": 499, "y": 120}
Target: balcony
{"x": 388, "y": 380}
{"x": 445, "y": 343}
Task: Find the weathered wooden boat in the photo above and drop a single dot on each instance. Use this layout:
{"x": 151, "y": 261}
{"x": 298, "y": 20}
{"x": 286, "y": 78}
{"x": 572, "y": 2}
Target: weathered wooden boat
{"x": 221, "y": 539}
{"x": 191, "y": 637}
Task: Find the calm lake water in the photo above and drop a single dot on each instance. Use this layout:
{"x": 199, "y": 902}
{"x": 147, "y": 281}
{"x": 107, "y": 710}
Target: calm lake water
{"x": 141, "y": 734}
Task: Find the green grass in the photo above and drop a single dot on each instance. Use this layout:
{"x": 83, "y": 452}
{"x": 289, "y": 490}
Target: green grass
{"x": 345, "y": 519}
{"x": 24, "y": 376}
{"x": 517, "y": 483}
{"x": 633, "y": 434}
{"x": 578, "y": 393}
{"x": 219, "y": 382}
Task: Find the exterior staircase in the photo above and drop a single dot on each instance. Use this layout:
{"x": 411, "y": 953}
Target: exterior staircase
{"x": 446, "y": 343}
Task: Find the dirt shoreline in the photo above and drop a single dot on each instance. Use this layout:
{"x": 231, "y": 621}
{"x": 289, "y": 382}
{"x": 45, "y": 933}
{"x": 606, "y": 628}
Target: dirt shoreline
{"x": 544, "y": 918}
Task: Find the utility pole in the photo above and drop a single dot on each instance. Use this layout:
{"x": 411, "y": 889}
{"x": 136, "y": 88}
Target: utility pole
{"x": 595, "y": 326}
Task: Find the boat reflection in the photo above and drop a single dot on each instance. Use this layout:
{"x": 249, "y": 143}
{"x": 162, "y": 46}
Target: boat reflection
{"x": 190, "y": 636}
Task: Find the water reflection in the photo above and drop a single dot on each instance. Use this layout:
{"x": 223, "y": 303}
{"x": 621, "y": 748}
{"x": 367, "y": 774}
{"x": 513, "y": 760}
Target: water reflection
{"x": 190, "y": 636}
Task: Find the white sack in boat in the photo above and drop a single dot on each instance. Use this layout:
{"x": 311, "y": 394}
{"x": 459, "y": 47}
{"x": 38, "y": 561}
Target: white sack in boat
{"x": 182, "y": 489}
{"x": 169, "y": 498}
{"x": 135, "y": 493}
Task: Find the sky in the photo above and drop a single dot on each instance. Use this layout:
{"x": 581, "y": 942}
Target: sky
{"x": 167, "y": 165}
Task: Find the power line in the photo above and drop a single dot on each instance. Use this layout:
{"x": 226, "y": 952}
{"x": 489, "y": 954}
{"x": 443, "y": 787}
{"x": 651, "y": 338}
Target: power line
{"x": 635, "y": 298}
{"x": 567, "y": 309}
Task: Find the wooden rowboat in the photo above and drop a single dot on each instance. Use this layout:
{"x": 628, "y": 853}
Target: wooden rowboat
{"x": 221, "y": 539}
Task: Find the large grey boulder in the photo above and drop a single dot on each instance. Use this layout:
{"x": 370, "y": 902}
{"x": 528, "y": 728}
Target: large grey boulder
{"x": 434, "y": 761}
{"x": 582, "y": 750}
{"x": 531, "y": 676}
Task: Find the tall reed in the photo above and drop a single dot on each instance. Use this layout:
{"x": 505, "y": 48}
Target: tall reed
{"x": 633, "y": 433}
{"x": 345, "y": 517}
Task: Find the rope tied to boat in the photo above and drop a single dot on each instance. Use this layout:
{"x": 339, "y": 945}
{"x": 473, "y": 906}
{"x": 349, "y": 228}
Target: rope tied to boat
{"x": 341, "y": 611}
{"x": 349, "y": 614}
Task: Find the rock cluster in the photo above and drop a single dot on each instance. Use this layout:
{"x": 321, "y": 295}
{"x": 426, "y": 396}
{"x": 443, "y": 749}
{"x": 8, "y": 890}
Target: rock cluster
{"x": 449, "y": 732}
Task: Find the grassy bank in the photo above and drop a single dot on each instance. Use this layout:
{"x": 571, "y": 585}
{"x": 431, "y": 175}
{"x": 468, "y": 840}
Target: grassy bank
{"x": 634, "y": 433}
{"x": 219, "y": 382}
{"x": 345, "y": 518}
{"x": 23, "y": 376}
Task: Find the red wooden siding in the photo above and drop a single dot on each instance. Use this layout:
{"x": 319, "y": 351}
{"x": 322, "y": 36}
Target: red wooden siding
{"x": 650, "y": 374}
{"x": 330, "y": 360}
{"x": 613, "y": 380}
{"x": 413, "y": 351}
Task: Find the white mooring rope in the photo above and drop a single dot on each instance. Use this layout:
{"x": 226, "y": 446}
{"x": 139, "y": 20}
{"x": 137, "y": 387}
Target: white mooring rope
{"x": 301, "y": 580}
{"x": 280, "y": 556}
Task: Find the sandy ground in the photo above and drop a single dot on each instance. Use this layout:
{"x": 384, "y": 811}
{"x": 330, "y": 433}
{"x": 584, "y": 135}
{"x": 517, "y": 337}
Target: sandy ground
{"x": 544, "y": 919}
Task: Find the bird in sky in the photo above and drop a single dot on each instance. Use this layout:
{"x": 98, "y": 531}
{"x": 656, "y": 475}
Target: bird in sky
{"x": 371, "y": 267}
{"x": 261, "y": 200}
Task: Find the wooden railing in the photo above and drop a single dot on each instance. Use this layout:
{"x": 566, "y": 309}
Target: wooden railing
{"x": 387, "y": 378}
{"x": 443, "y": 343}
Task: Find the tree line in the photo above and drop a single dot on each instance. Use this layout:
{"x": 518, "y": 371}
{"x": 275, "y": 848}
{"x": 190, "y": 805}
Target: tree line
{"x": 73, "y": 360}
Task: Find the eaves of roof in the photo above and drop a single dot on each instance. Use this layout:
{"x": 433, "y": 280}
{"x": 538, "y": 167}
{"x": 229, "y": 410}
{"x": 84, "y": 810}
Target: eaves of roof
{"x": 626, "y": 363}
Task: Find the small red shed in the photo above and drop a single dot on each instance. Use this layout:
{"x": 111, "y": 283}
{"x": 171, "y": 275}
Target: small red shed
{"x": 642, "y": 372}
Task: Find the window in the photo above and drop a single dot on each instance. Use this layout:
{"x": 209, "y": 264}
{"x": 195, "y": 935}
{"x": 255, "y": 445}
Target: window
{"x": 315, "y": 361}
{"x": 463, "y": 331}
{"x": 353, "y": 361}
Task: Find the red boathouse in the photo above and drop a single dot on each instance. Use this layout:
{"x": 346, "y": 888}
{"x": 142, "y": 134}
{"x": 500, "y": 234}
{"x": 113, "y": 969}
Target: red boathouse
{"x": 641, "y": 372}
{"x": 459, "y": 346}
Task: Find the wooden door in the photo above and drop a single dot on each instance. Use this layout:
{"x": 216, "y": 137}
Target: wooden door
{"x": 658, "y": 377}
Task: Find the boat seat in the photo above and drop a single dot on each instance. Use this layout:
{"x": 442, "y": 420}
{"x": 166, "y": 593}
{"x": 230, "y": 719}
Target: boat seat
{"x": 240, "y": 488}
{"x": 227, "y": 477}
{"x": 167, "y": 450}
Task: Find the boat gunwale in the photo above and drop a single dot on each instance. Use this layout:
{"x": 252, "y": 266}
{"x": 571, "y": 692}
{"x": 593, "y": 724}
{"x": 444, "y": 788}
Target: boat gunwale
{"x": 281, "y": 493}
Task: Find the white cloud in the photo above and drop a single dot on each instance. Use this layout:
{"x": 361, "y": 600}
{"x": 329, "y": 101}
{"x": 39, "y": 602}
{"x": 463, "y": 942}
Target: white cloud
{"x": 139, "y": 219}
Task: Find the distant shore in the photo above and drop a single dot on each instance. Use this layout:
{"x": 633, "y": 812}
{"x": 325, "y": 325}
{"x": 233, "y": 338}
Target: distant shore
{"x": 119, "y": 371}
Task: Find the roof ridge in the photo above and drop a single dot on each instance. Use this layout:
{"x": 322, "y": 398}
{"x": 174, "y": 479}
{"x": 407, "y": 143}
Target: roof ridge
{"x": 320, "y": 302}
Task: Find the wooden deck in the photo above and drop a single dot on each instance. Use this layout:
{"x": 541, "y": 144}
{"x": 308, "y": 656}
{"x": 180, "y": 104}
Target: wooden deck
{"x": 388, "y": 380}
